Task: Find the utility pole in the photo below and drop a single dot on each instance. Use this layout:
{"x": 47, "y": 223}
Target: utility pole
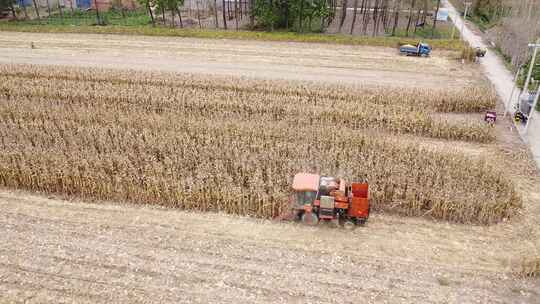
{"x": 533, "y": 110}
{"x": 536, "y": 46}
{"x": 454, "y": 27}
{"x": 509, "y": 102}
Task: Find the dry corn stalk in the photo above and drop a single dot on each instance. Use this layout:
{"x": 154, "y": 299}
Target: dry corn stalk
{"x": 195, "y": 143}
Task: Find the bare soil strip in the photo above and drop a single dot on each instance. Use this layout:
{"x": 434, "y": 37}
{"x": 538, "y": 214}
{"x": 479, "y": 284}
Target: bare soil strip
{"x": 60, "y": 251}
{"x": 274, "y": 60}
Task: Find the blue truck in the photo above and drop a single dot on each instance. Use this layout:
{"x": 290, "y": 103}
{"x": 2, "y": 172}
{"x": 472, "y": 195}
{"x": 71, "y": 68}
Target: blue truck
{"x": 421, "y": 49}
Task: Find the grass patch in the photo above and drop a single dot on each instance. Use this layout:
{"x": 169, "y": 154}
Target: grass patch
{"x": 88, "y": 18}
{"x": 147, "y": 30}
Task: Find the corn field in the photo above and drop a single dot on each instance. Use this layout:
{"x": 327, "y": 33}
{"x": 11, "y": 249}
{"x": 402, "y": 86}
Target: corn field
{"x": 395, "y": 110}
{"x": 233, "y": 145}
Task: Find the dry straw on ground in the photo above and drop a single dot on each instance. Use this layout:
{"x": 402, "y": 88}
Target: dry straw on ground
{"x": 530, "y": 266}
{"x": 215, "y": 144}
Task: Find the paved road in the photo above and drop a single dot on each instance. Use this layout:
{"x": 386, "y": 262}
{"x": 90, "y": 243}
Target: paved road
{"x": 501, "y": 78}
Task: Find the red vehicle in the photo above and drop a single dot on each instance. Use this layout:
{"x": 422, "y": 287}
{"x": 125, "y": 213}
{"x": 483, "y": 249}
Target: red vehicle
{"x": 491, "y": 117}
{"x": 322, "y": 198}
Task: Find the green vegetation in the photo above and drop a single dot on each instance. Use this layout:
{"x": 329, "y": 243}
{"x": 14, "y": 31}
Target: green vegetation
{"x": 535, "y": 75}
{"x": 297, "y": 15}
{"x": 446, "y": 44}
{"x": 484, "y": 13}
{"x": 487, "y": 13}
{"x": 81, "y": 18}
{"x": 6, "y": 5}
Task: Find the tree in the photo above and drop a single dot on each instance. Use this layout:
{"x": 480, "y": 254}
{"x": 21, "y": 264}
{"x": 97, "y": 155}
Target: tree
{"x": 375, "y": 18}
{"x": 48, "y": 7}
{"x": 334, "y": 9}
{"x": 435, "y": 18}
{"x": 37, "y": 9}
{"x": 180, "y": 14}
{"x": 25, "y": 11}
{"x": 8, "y": 4}
{"x": 148, "y": 4}
{"x": 71, "y": 7}
{"x": 216, "y": 13}
{"x": 301, "y": 19}
{"x": 198, "y": 13}
{"x": 172, "y": 6}
{"x": 525, "y": 70}
{"x": 224, "y": 15}
{"x": 267, "y": 13}
{"x": 417, "y": 20}
{"x": 365, "y": 17}
{"x": 354, "y": 15}
{"x": 343, "y": 14}
{"x": 252, "y": 13}
{"x": 282, "y": 14}
{"x": 117, "y": 6}
{"x": 411, "y": 8}
{"x": 397, "y": 8}
{"x": 235, "y": 13}
{"x": 384, "y": 15}
{"x": 98, "y": 17}
{"x": 322, "y": 11}
{"x": 310, "y": 12}
{"x": 424, "y": 13}
{"x": 161, "y": 7}
{"x": 61, "y": 11}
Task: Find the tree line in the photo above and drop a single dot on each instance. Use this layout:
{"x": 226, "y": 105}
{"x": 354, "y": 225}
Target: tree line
{"x": 366, "y": 17}
{"x": 511, "y": 24}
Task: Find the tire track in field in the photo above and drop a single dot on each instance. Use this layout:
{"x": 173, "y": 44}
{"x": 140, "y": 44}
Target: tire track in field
{"x": 166, "y": 255}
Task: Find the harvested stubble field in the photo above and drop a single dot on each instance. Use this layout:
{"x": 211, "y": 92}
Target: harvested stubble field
{"x": 232, "y": 145}
{"x": 263, "y": 60}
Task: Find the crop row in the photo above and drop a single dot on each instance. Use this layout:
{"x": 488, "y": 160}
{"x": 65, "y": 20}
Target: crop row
{"x": 220, "y": 103}
{"x": 226, "y": 150}
{"x": 469, "y": 99}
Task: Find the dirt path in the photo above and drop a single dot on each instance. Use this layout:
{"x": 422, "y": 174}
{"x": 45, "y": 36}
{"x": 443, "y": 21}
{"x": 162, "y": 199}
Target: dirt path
{"x": 502, "y": 80}
{"x": 58, "y": 251}
{"x": 275, "y": 60}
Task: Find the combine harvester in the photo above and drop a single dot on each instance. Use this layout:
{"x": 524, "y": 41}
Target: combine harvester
{"x": 328, "y": 199}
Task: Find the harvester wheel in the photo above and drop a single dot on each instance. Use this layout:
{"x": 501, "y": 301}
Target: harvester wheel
{"x": 348, "y": 224}
{"x": 310, "y": 218}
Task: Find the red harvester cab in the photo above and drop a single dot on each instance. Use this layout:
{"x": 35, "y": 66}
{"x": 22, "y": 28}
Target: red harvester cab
{"x": 326, "y": 198}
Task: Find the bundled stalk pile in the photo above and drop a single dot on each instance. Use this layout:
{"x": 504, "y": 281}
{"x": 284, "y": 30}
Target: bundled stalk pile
{"x": 213, "y": 148}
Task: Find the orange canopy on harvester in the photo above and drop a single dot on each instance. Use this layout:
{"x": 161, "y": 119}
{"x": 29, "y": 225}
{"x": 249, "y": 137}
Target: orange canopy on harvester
{"x": 306, "y": 182}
